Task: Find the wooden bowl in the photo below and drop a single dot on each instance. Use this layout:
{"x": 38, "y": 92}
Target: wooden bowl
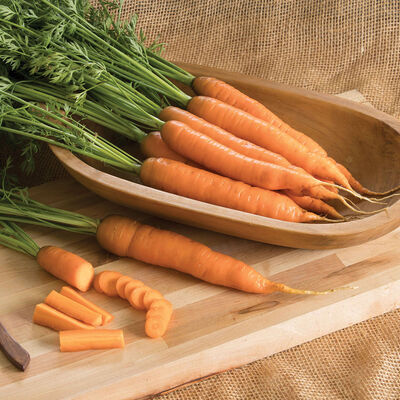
{"x": 365, "y": 140}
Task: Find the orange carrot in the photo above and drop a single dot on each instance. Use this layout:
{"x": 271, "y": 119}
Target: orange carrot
{"x": 73, "y": 309}
{"x": 150, "y": 296}
{"x": 107, "y": 282}
{"x": 99, "y": 339}
{"x": 66, "y": 266}
{"x": 171, "y": 250}
{"x": 96, "y": 286}
{"x": 184, "y": 180}
{"x": 72, "y": 294}
{"x": 121, "y": 284}
{"x": 262, "y": 133}
{"x": 136, "y": 297}
{"x": 154, "y": 146}
{"x": 227, "y": 162}
{"x": 157, "y": 318}
{"x": 53, "y": 319}
{"x": 226, "y": 93}
{"x": 314, "y": 205}
{"x": 220, "y": 135}
{"x": 131, "y": 286}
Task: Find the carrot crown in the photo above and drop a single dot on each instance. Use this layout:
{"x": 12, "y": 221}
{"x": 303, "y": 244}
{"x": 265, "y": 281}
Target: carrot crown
{"x": 12, "y": 236}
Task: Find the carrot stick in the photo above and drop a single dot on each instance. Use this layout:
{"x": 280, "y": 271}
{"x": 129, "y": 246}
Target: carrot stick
{"x": 212, "y": 87}
{"x": 227, "y": 162}
{"x": 184, "y": 180}
{"x": 314, "y": 205}
{"x": 220, "y": 135}
{"x": 66, "y": 266}
{"x": 262, "y": 133}
{"x": 107, "y": 282}
{"x": 171, "y": 250}
{"x": 73, "y": 309}
{"x": 53, "y": 319}
{"x": 154, "y": 146}
{"x": 72, "y": 294}
{"x": 99, "y": 339}
{"x": 120, "y": 285}
{"x": 158, "y": 317}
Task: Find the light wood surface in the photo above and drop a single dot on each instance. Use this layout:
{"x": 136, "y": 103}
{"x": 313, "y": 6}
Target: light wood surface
{"x": 361, "y": 138}
{"x": 213, "y": 328}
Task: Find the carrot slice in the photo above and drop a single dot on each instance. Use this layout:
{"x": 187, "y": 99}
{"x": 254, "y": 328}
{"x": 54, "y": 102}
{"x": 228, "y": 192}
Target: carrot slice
{"x": 96, "y": 283}
{"x": 131, "y": 286}
{"x": 73, "y": 309}
{"x": 53, "y": 319}
{"x": 99, "y": 339}
{"x": 107, "y": 282}
{"x": 136, "y": 297}
{"x": 120, "y": 285}
{"x": 157, "y": 318}
{"x": 150, "y": 296}
{"x": 72, "y": 294}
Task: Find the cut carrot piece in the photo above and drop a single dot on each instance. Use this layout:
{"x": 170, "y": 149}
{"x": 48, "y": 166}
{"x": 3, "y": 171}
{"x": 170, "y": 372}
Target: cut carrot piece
{"x": 136, "y": 297}
{"x": 120, "y": 285}
{"x": 96, "y": 283}
{"x": 150, "y": 296}
{"x": 131, "y": 286}
{"x": 158, "y": 317}
{"x": 66, "y": 266}
{"x": 107, "y": 282}
{"x": 73, "y": 309}
{"x": 53, "y": 319}
{"x": 72, "y": 294}
{"x": 99, "y": 339}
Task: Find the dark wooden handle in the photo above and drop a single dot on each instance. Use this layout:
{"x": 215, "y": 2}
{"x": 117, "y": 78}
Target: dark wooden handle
{"x": 13, "y": 350}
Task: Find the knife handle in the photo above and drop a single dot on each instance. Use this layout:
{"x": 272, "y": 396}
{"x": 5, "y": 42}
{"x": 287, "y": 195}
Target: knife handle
{"x": 13, "y": 350}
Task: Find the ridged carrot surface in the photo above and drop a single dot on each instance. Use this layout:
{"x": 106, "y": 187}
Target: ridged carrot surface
{"x": 184, "y": 180}
{"x": 262, "y": 133}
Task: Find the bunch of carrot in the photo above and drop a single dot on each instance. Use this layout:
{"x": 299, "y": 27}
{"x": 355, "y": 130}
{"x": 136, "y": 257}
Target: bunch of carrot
{"x": 140, "y": 297}
{"x": 75, "y": 318}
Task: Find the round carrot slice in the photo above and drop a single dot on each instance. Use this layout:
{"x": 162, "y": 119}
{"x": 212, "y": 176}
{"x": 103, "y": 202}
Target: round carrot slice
{"x": 122, "y": 281}
{"x": 107, "y": 282}
{"x": 130, "y": 286}
{"x": 136, "y": 297}
{"x": 150, "y": 296}
{"x": 96, "y": 283}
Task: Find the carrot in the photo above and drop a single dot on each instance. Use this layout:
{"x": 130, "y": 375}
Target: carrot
{"x": 107, "y": 282}
{"x": 121, "y": 284}
{"x": 73, "y": 309}
{"x": 262, "y": 133}
{"x": 315, "y": 205}
{"x": 72, "y": 294}
{"x": 171, "y": 250}
{"x": 220, "y": 135}
{"x": 158, "y": 317}
{"x": 96, "y": 286}
{"x": 150, "y": 296}
{"x": 99, "y": 339}
{"x": 66, "y": 266}
{"x": 136, "y": 297}
{"x": 217, "y": 157}
{"x": 154, "y": 146}
{"x": 53, "y": 319}
{"x": 212, "y": 87}
{"x": 131, "y": 286}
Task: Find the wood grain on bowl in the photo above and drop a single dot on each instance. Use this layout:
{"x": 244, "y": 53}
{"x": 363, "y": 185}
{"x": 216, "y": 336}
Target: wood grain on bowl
{"x": 365, "y": 140}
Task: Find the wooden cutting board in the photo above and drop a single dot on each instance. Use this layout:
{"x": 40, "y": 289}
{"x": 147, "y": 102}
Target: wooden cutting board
{"x": 213, "y": 328}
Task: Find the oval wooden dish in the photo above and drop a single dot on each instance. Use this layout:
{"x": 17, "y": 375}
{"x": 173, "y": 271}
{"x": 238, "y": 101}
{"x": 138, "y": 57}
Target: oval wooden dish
{"x": 363, "y": 139}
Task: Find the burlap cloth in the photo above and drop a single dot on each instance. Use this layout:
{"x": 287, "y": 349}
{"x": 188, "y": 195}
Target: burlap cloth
{"x": 328, "y": 46}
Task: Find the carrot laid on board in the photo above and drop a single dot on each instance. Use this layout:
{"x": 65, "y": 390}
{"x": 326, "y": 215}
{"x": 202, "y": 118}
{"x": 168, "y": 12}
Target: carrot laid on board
{"x": 130, "y": 287}
{"x": 136, "y": 297}
{"x": 120, "y": 285}
{"x": 73, "y": 309}
{"x": 171, "y": 250}
{"x": 99, "y": 339}
{"x": 157, "y": 318}
{"x": 217, "y": 89}
{"x": 51, "y": 318}
{"x": 262, "y": 133}
{"x": 72, "y": 294}
{"x": 66, "y": 266}
{"x": 107, "y": 282}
